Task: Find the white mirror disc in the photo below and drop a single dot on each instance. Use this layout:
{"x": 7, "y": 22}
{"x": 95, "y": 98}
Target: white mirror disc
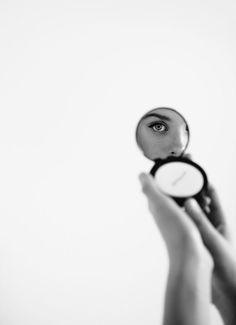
{"x": 179, "y": 179}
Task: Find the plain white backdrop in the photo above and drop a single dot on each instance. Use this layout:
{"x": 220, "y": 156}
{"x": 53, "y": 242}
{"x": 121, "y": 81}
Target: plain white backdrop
{"x": 77, "y": 243}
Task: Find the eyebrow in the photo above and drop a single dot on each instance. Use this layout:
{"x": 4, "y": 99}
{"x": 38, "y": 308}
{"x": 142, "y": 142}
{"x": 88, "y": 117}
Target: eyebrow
{"x": 163, "y": 117}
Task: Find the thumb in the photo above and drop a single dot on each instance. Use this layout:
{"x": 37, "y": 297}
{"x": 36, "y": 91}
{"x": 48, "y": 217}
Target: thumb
{"x": 176, "y": 228}
{"x": 163, "y": 205}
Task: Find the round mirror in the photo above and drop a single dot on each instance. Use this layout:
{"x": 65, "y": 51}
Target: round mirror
{"x": 161, "y": 133}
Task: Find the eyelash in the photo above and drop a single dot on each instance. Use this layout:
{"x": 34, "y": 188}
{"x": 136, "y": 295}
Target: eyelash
{"x": 159, "y": 122}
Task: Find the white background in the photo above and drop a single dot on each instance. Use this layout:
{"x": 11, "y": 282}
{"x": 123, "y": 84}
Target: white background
{"x": 77, "y": 243}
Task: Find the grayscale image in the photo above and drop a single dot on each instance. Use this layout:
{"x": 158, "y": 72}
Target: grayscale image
{"x": 117, "y": 156}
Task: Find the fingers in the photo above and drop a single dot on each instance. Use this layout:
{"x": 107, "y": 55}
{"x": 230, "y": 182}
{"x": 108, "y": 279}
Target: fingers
{"x": 187, "y": 156}
{"x": 216, "y": 215}
{"x": 210, "y": 204}
{"x": 149, "y": 188}
{"x": 195, "y": 212}
{"x": 172, "y": 221}
{"x": 161, "y": 205}
{"x": 211, "y": 237}
{"x": 204, "y": 201}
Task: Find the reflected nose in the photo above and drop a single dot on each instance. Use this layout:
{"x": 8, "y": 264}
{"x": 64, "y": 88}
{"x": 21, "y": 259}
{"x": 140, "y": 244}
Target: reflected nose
{"x": 176, "y": 152}
{"x": 178, "y": 146}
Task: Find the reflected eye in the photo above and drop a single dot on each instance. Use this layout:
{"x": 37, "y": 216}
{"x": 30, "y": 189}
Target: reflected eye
{"x": 158, "y": 127}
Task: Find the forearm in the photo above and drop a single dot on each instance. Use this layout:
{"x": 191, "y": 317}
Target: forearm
{"x": 225, "y": 301}
{"x": 227, "y": 311}
{"x": 188, "y": 294}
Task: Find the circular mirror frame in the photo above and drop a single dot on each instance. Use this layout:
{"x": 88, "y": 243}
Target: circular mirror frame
{"x": 181, "y": 200}
{"x": 153, "y": 110}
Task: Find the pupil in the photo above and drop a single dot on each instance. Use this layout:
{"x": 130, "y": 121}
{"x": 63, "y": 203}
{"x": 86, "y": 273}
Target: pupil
{"x": 159, "y": 126}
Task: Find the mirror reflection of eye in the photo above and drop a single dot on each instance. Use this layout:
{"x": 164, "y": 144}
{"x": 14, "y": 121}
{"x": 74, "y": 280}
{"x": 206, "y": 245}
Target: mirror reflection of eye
{"x": 158, "y": 127}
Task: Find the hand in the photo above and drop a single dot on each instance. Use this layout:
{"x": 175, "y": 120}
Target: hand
{"x": 216, "y": 239}
{"x": 188, "y": 292}
{"x": 181, "y": 235}
{"x": 178, "y": 230}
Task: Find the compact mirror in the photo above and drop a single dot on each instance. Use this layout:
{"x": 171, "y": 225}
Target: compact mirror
{"x": 180, "y": 178}
{"x": 163, "y": 135}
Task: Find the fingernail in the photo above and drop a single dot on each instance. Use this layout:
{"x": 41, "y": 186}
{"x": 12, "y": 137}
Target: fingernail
{"x": 193, "y": 210}
{"x": 142, "y": 178}
{"x": 207, "y": 209}
{"x": 208, "y": 200}
{"x": 188, "y": 156}
{"x": 221, "y": 229}
{"x": 192, "y": 204}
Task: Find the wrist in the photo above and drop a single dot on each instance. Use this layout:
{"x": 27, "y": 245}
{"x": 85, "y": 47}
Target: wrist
{"x": 189, "y": 283}
{"x": 190, "y": 259}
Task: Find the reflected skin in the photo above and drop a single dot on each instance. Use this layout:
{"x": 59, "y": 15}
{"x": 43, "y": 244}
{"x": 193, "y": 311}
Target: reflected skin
{"x": 162, "y": 133}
